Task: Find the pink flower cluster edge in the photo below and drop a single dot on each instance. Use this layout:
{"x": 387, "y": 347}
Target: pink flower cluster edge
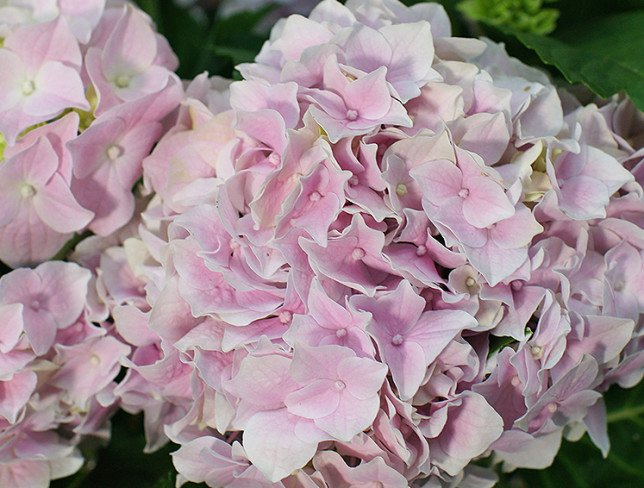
{"x": 385, "y": 254}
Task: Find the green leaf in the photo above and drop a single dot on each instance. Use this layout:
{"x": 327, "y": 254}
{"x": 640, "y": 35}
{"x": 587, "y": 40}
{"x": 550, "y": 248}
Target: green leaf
{"x": 235, "y": 54}
{"x": 122, "y": 462}
{"x": 206, "y": 44}
{"x": 185, "y": 32}
{"x": 151, "y": 7}
{"x": 604, "y": 54}
{"x": 499, "y": 342}
{"x": 167, "y": 482}
{"x": 234, "y": 40}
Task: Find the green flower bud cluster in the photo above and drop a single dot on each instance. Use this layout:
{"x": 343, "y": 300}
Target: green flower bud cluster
{"x": 519, "y": 15}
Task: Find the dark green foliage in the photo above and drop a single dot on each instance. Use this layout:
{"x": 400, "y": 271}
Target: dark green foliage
{"x": 605, "y": 54}
{"x": 597, "y": 42}
{"x": 205, "y": 42}
{"x": 122, "y": 462}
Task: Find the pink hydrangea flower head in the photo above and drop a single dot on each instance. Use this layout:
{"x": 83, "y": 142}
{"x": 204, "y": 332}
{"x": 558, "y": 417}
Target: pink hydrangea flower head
{"x": 327, "y": 252}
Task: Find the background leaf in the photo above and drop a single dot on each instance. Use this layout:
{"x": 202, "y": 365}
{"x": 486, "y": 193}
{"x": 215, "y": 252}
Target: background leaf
{"x": 122, "y": 462}
{"x": 206, "y": 42}
{"x": 604, "y": 54}
{"x": 597, "y": 43}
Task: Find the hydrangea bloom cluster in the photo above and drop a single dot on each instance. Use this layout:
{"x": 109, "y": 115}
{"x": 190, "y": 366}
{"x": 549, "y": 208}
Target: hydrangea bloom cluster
{"x": 56, "y": 373}
{"x": 386, "y": 253}
{"x": 84, "y": 90}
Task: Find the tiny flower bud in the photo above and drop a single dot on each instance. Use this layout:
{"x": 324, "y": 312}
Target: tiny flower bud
{"x": 397, "y": 340}
{"x": 352, "y": 114}
{"x": 27, "y": 190}
{"x": 358, "y": 253}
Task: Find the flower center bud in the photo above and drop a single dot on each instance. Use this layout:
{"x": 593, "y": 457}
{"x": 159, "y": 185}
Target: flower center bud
{"x": 123, "y": 81}
{"x": 619, "y": 286}
{"x": 27, "y": 190}
{"x": 397, "y": 340}
{"x": 234, "y": 245}
{"x": 536, "y": 351}
{"x": 274, "y": 159}
{"x": 95, "y": 359}
{"x": 35, "y": 305}
{"x": 114, "y": 151}
{"x": 358, "y": 253}
{"x": 353, "y": 181}
{"x": 401, "y": 190}
{"x": 352, "y": 114}
{"x": 552, "y": 407}
{"x": 285, "y": 317}
{"x": 340, "y": 333}
{"x": 516, "y": 285}
{"x": 340, "y": 385}
{"x": 470, "y": 282}
{"x": 28, "y": 87}
{"x": 315, "y": 196}
{"x": 421, "y": 250}
{"x": 463, "y": 193}
{"x": 515, "y": 381}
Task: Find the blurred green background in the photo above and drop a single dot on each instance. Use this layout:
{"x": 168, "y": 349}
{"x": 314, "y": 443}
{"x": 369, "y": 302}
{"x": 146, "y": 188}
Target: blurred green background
{"x": 596, "y": 43}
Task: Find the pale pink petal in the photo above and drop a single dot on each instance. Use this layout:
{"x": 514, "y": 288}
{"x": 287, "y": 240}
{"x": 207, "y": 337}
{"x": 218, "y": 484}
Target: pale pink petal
{"x": 407, "y": 364}
{"x": 369, "y": 95}
{"x": 132, "y": 46}
{"x": 272, "y": 446}
{"x": 362, "y": 376}
{"x": 14, "y": 394}
{"x": 486, "y": 202}
{"x": 11, "y": 318}
{"x": 471, "y": 428}
{"x": 439, "y": 180}
{"x": 350, "y": 418}
{"x": 56, "y": 206}
{"x": 57, "y": 87}
{"x": 315, "y": 400}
